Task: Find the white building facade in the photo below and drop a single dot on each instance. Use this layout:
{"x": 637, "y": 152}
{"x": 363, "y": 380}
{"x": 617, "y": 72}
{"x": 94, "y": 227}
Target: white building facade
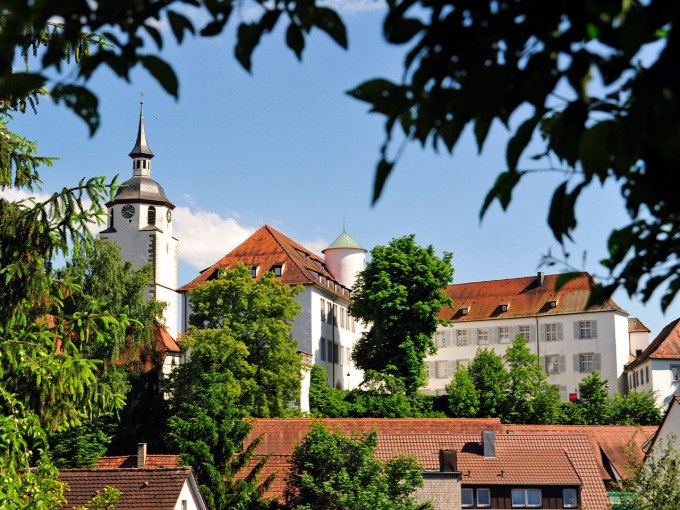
{"x": 570, "y": 340}
{"x": 657, "y": 367}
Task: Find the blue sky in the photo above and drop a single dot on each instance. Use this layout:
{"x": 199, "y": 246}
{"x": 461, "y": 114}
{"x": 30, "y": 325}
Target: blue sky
{"x": 286, "y": 146}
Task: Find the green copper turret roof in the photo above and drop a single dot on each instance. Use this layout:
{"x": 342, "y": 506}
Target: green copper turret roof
{"x": 345, "y": 241}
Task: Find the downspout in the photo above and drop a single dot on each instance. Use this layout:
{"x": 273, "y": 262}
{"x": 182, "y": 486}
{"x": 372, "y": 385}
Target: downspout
{"x": 538, "y": 337}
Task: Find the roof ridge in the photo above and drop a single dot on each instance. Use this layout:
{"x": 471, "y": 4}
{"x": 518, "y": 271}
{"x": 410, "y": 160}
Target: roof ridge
{"x": 275, "y": 233}
{"x": 514, "y": 278}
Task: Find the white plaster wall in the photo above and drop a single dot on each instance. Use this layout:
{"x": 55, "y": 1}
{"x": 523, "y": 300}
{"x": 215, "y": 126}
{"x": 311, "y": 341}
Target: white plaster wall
{"x": 662, "y": 381}
{"x": 638, "y": 341}
{"x": 304, "y": 322}
{"x": 669, "y": 432}
{"x": 345, "y": 263}
{"x": 304, "y": 389}
{"x": 611, "y": 339}
{"x": 186, "y": 495}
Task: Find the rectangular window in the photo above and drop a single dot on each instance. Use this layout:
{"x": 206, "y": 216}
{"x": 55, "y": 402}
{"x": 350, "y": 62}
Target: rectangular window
{"x": 467, "y": 498}
{"x": 461, "y": 337}
{"x": 322, "y": 349}
{"x": 585, "y": 362}
{"x": 675, "y": 373}
{"x": 504, "y": 334}
{"x": 323, "y": 310}
{"x": 329, "y": 312}
{"x": 569, "y": 498}
{"x": 329, "y": 351}
{"x": 442, "y": 369}
{"x": 440, "y": 339}
{"x": 525, "y": 331}
{"x": 430, "y": 369}
{"x": 336, "y": 354}
{"x": 526, "y": 498}
{"x": 585, "y": 330}
{"x": 551, "y": 332}
{"x": 483, "y": 498}
{"x": 552, "y": 364}
{"x": 483, "y": 336}
{"x": 647, "y": 374}
{"x": 277, "y": 269}
{"x": 253, "y": 271}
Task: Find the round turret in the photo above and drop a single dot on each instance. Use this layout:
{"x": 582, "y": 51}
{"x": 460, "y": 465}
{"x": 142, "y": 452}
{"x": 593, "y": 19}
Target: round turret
{"x": 344, "y": 259}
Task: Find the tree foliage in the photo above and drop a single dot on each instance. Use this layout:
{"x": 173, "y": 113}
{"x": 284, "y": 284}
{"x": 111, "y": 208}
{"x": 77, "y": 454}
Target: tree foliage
{"x": 330, "y": 471}
{"x": 399, "y": 295}
{"x": 245, "y": 330}
{"x": 491, "y": 381}
{"x": 654, "y": 483}
{"x": 208, "y": 432}
{"x": 463, "y": 397}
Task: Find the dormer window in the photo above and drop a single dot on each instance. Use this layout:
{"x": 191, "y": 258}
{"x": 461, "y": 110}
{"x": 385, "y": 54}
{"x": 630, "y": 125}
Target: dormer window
{"x": 552, "y": 304}
{"x": 277, "y": 269}
{"x": 151, "y": 215}
{"x": 504, "y": 307}
{"x": 465, "y": 311}
{"x": 253, "y": 271}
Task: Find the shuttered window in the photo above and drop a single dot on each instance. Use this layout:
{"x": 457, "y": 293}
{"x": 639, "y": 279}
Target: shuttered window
{"x": 552, "y": 331}
{"x": 587, "y": 362}
{"x": 483, "y": 336}
{"x": 504, "y": 334}
{"x": 584, "y": 330}
{"x": 441, "y": 369}
{"x": 461, "y": 337}
{"x": 525, "y": 331}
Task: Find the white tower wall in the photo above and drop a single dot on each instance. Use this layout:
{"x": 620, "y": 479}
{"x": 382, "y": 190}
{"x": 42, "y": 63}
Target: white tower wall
{"x": 345, "y": 263}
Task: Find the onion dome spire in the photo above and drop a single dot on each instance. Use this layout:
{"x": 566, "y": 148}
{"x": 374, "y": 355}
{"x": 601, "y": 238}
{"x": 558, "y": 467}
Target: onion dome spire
{"x": 141, "y": 148}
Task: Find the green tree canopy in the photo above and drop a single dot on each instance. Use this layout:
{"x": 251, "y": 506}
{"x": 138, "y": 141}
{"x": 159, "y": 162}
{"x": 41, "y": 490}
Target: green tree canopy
{"x": 330, "y": 471}
{"x": 491, "y": 379}
{"x": 241, "y": 326}
{"x": 531, "y": 398}
{"x": 399, "y": 295}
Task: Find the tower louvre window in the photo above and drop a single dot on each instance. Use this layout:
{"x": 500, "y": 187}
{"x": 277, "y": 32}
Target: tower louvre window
{"x": 152, "y": 215}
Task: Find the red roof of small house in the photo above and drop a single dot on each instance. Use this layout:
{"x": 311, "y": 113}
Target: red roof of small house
{"x": 666, "y": 345}
{"x": 566, "y": 457}
{"x": 142, "y": 489}
{"x": 614, "y": 446}
{"x": 524, "y": 297}
{"x": 145, "y": 361}
{"x": 268, "y": 247}
{"x": 635, "y": 325}
{"x": 153, "y": 461}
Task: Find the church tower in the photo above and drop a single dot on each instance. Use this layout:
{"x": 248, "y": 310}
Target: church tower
{"x": 140, "y": 222}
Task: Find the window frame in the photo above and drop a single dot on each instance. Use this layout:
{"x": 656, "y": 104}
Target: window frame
{"x": 675, "y": 373}
{"x": 526, "y": 337}
{"x": 564, "y": 498}
{"x": 556, "y": 364}
{"x": 585, "y": 330}
{"x": 582, "y": 362}
{"x": 526, "y": 503}
{"x": 487, "y": 335}
{"x": 551, "y": 332}
{"x": 488, "y": 492}
{"x": 504, "y": 337}
{"x": 461, "y": 338}
{"x": 472, "y": 497}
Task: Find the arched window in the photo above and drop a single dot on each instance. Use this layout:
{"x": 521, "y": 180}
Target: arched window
{"x": 152, "y": 215}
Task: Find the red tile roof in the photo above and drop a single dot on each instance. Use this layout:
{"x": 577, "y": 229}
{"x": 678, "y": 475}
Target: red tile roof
{"x": 635, "y": 325}
{"x": 130, "y": 461}
{"x": 618, "y": 445}
{"x": 142, "y": 489}
{"x": 147, "y": 361}
{"x": 524, "y": 296}
{"x": 666, "y": 345}
{"x": 564, "y": 455}
{"x": 268, "y": 247}
{"x": 164, "y": 342}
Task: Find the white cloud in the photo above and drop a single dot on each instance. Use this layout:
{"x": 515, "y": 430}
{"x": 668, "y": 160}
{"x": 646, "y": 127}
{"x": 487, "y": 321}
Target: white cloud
{"x": 19, "y": 195}
{"x": 205, "y": 237}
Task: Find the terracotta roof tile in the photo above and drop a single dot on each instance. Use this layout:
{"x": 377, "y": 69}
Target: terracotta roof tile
{"x": 635, "y": 325}
{"x": 562, "y": 455}
{"x": 666, "y": 345}
{"x": 525, "y": 297}
{"x": 130, "y": 461}
{"x": 268, "y": 247}
{"x": 142, "y": 489}
{"x": 619, "y": 444}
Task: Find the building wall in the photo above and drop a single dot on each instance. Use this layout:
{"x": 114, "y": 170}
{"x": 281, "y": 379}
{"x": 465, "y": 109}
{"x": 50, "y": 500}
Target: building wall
{"x": 187, "y": 500}
{"x": 609, "y": 348}
{"x": 440, "y": 489}
{"x": 638, "y": 342}
{"x": 668, "y": 432}
{"x": 655, "y": 375}
{"x": 142, "y": 245}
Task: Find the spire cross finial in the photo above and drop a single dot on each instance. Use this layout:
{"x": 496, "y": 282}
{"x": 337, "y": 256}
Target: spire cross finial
{"x": 141, "y": 104}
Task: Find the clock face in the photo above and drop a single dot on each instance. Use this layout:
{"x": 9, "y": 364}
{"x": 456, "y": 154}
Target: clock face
{"x": 168, "y": 215}
{"x": 128, "y": 211}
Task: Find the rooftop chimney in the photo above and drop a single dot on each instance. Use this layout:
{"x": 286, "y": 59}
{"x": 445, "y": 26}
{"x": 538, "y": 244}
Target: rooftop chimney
{"x": 141, "y": 455}
{"x": 541, "y": 278}
{"x": 489, "y": 443}
{"x": 448, "y": 461}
